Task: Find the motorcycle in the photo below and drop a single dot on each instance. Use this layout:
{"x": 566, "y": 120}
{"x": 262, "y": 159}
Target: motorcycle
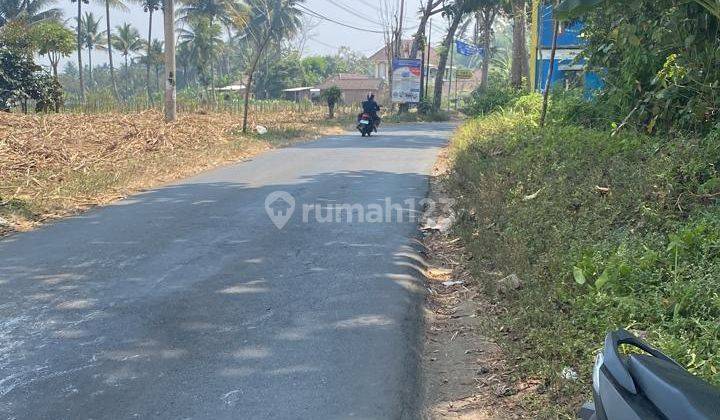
{"x": 366, "y": 125}
{"x": 646, "y": 386}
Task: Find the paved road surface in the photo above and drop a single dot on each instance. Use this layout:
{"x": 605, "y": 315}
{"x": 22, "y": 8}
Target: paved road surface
{"x": 186, "y": 302}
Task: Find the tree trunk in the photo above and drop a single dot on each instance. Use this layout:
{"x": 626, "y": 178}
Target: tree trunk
{"x": 170, "y": 63}
{"x": 548, "y": 82}
{"x": 109, "y": 48}
{"x": 488, "y": 18}
{"x": 157, "y": 78}
{"x": 248, "y": 86}
{"x": 79, "y": 52}
{"x": 147, "y": 58}
{"x": 90, "y": 68}
{"x": 54, "y": 59}
{"x": 420, "y": 33}
{"x": 331, "y": 110}
{"x": 442, "y": 63}
{"x": 520, "y": 67}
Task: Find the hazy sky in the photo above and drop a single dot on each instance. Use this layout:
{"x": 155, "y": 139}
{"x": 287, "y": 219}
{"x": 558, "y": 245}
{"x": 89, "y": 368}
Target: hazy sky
{"x": 327, "y": 36}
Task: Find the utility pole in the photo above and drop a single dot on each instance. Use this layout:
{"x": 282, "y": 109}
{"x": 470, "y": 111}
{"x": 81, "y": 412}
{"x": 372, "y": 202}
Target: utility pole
{"x": 427, "y": 64}
{"x": 400, "y": 28}
{"x": 170, "y": 73}
{"x": 422, "y": 72}
{"x": 450, "y": 76}
{"x": 403, "y": 107}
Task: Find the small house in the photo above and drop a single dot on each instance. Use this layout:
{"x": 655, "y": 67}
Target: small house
{"x": 356, "y": 87}
{"x": 300, "y": 94}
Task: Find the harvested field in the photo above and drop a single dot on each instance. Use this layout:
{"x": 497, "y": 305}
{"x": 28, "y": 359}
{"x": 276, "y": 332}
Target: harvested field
{"x": 55, "y": 165}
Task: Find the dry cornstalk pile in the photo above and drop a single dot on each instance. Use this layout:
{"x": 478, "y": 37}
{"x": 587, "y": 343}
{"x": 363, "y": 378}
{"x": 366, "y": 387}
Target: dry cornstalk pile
{"x": 39, "y": 153}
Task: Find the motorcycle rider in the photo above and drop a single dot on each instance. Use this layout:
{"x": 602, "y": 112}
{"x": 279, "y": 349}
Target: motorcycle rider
{"x": 371, "y": 107}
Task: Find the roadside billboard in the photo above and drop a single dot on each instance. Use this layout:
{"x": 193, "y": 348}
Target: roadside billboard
{"x": 406, "y": 80}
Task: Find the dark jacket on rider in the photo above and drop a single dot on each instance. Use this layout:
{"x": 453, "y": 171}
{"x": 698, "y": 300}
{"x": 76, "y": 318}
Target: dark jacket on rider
{"x": 371, "y": 107}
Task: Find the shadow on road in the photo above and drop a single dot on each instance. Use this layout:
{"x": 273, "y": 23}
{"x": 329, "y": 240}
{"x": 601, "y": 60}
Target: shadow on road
{"x": 187, "y": 301}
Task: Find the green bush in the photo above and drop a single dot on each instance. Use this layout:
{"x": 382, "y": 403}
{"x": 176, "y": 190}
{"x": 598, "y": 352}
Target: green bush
{"x": 605, "y": 232}
{"x": 494, "y": 97}
{"x": 659, "y": 60}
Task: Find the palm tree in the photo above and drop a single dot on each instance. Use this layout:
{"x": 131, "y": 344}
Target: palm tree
{"x": 31, "y": 11}
{"x": 268, "y": 20}
{"x": 149, "y": 6}
{"x": 126, "y": 40}
{"x": 155, "y": 59}
{"x": 90, "y": 30}
{"x": 119, "y": 5}
{"x": 202, "y": 39}
{"x": 225, "y": 11}
{"x": 184, "y": 58}
{"x": 79, "y": 47}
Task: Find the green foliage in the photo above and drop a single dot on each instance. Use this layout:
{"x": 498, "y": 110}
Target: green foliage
{"x": 27, "y": 11}
{"x": 126, "y": 40}
{"x": 331, "y": 95}
{"x": 89, "y": 30}
{"x": 283, "y": 72}
{"x": 14, "y": 37}
{"x": 605, "y": 232}
{"x": 318, "y": 68}
{"x": 494, "y": 97}
{"x": 22, "y": 80}
{"x": 659, "y": 62}
{"x": 203, "y": 39}
{"x": 53, "y": 38}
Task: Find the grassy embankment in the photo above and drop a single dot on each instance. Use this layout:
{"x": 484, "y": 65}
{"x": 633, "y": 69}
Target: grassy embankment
{"x": 604, "y": 232}
{"x": 56, "y": 165}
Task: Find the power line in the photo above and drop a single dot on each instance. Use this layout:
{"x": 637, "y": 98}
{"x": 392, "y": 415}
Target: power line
{"x": 324, "y": 44}
{"x": 352, "y": 12}
{"x": 318, "y": 15}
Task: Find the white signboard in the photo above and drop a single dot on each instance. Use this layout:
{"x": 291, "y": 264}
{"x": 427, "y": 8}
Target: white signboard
{"x": 406, "y": 80}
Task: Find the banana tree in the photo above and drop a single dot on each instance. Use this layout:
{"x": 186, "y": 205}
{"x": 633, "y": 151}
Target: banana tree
{"x": 569, "y": 9}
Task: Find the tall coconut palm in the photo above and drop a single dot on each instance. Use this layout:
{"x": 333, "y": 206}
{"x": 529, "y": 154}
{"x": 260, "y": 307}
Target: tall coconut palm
{"x": 202, "y": 39}
{"x": 149, "y": 6}
{"x": 90, "y": 30}
{"x": 184, "y": 58}
{"x": 224, "y": 11}
{"x": 78, "y": 18}
{"x": 31, "y": 11}
{"x": 268, "y": 21}
{"x": 118, "y": 5}
{"x": 126, "y": 40}
{"x": 156, "y": 59}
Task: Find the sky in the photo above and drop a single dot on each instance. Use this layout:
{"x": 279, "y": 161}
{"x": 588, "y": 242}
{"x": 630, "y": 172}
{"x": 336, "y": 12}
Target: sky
{"x": 326, "y": 38}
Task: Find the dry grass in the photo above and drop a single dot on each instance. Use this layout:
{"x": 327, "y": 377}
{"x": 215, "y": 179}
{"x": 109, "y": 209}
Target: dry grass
{"x": 467, "y": 376}
{"x": 55, "y": 165}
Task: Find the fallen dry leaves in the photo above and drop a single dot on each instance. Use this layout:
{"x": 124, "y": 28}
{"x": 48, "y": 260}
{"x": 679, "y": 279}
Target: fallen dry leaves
{"x": 58, "y": 164}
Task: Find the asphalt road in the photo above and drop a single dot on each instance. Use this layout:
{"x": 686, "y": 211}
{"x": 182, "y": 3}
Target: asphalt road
{"x": 187, "y": 302}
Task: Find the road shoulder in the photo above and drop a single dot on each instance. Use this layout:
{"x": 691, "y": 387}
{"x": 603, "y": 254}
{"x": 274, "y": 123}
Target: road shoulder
{"x": 465, "y": 374}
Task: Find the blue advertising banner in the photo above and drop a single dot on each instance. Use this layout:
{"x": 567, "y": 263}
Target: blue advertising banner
{"x": 469, "y": 50}
{"x": 406, "y": 80}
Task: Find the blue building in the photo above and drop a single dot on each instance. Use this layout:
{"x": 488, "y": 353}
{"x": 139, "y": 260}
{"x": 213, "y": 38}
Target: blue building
{"x": 568, "y": 71}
